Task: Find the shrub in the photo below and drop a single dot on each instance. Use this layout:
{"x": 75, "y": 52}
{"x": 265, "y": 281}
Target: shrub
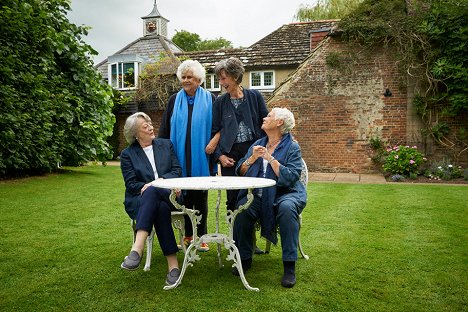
{"x": 403, "y": 160}
{"x": 443, "y": 170}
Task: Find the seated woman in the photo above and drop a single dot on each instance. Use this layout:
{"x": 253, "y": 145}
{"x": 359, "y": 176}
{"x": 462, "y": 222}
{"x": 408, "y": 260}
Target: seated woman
{"x": 277, "y": 157}
{"x": 144, "y": 160}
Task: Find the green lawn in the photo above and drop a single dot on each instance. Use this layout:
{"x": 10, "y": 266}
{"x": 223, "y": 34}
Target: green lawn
{"x": 386, "y": 247}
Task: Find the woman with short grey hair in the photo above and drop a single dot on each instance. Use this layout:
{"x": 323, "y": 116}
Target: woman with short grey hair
{"x": 187, "y": 123}
{"x": 144, "y": 160}
{"x": 131, "y": 126}
{"x": 194, "y": 67}
{"x": 286, "y": 116}
{"x": 237, "y": 116}
{"x": 276, "y": 156}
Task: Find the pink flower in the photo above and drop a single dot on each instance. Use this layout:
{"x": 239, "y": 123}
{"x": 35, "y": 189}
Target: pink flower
{"x": 411, "y": 162}
{"x": 415, "y": 147}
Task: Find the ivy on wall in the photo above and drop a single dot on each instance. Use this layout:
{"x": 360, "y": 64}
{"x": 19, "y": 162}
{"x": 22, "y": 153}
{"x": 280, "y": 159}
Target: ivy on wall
{"x": 431, "y": 38}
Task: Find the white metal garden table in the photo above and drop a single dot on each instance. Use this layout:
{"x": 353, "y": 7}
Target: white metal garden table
{"x": 213, "y": 183}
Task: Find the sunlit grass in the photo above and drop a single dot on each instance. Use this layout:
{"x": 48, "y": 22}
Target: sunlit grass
{"x": 387, "y": 247}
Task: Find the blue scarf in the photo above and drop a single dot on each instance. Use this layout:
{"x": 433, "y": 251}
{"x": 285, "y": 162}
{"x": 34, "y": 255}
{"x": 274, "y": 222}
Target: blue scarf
{"x": 200, "y": 129}
{"x": 267, "y": 213}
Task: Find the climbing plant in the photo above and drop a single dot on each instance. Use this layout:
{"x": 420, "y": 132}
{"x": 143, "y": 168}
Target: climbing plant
{"x": 431, "y": 39}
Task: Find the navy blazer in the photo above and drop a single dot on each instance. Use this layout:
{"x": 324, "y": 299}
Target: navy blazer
{"x": 137, "y": 170}
{"x": 253, "y": 110}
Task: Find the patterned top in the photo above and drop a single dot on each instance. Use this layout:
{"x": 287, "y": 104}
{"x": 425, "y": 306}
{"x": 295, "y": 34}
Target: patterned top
{"x": 244, "y": 133}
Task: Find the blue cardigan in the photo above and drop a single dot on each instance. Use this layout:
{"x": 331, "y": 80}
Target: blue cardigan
{"x": 137, "y": 170}
{"x": 224, "y": 119}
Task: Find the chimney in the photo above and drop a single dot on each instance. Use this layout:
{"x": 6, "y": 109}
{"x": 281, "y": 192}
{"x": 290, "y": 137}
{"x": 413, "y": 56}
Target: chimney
{"x": 317, "y": 35}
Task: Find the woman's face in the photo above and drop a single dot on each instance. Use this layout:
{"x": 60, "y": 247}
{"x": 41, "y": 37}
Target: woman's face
{"x": 190, "y": 83}
{"x": 269, "y": 122}
{"x": 228, "y": 82}
{"x": 145, "y": 133}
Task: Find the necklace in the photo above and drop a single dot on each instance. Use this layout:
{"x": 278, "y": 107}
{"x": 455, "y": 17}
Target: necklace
{"x": 273, "y": 144}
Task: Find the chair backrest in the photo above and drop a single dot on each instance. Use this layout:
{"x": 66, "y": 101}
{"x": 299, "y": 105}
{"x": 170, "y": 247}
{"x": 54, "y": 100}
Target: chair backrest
{"x": 304, "y": 174}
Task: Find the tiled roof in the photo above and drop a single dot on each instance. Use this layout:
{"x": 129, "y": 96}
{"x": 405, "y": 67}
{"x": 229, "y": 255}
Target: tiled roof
{"x": 286, "y": 46}
{"x": 145, "y": 47}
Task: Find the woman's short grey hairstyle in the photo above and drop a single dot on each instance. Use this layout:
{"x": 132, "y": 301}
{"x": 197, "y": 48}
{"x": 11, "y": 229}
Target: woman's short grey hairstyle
{"x": 131, "y": 126}
{"x": 197, "y": 69}
{"x": 286, "y": 116}
{"x": 232, "y": 66}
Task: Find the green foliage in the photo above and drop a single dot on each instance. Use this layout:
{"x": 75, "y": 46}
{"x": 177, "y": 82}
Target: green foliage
{"x": 213, "y": 44}
{"x": 443, "y": 170}
{"x": 431, "y": 40}
{"x": 403, "y": 160}
{"x": 326, "y": 9}
{"x": 188, "y": 41}
{"x": 54, "y": 107}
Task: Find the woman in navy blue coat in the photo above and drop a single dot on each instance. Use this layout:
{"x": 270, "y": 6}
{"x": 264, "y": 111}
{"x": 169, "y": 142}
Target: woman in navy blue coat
{"x": 237, "y": 116}
{"x": 276, "y": 156}
{"x": 144, "y": 160}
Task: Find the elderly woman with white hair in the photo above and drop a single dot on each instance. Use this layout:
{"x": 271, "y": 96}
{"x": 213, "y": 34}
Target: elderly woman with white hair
{"x": 144, "y": 160}
{"x": 187, "y": 123}
{"x": 276, "y": 156}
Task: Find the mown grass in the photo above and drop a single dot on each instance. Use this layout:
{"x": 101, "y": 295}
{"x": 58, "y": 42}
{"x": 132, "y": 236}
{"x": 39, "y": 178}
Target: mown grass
{"x": 387, "y": 247}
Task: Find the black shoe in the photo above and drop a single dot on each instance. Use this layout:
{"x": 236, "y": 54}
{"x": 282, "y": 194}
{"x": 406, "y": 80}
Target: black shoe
{"x": 288, "y": 280}
{"x": 172, "y": 276}
{"x": 258, "y": 251}
{"x": 132, "y": 261}
{"x": 246, "y": 265}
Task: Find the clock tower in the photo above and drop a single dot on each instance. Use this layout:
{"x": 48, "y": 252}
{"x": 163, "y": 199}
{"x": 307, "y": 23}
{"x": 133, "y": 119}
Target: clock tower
{"x": 154, "y": 23}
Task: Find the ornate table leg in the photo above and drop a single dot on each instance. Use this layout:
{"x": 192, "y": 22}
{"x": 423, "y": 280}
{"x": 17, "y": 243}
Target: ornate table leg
{"x": 230, "y": 244}
{"x": 191, "y": 252}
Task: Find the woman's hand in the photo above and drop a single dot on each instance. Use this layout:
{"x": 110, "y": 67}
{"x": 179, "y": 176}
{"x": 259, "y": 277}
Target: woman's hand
{"x": 145, "y": 187}
{"x": 226, "y": 161}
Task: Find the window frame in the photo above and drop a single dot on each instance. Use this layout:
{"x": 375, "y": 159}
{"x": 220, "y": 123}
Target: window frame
{"x": 212, "y": 78}
{"x": 120, "y": 84}
{"x": 262, "y": 79}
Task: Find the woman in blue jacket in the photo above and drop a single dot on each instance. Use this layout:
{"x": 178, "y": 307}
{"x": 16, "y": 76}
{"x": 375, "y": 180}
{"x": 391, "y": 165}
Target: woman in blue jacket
{"x": 144, "y": 160}
{"x": 276, "y": 156}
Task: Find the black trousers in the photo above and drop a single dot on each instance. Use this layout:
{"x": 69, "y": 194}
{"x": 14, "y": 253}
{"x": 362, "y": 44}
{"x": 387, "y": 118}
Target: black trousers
{"x": 155, "y": 210}
{"x": 237, "y": 152}
{"x": 197, "y": 200}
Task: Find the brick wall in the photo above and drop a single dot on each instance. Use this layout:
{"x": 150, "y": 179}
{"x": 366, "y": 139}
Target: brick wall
{"x": 339, "y": 108}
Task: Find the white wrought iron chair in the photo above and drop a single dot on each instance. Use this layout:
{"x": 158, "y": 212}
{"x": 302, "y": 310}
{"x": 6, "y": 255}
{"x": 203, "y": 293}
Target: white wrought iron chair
{"x": 178, "y": 222}
{"x": 304, "y": 180}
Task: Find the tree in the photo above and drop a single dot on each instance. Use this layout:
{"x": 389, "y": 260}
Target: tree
{"x": 326, "y": 9}
{"x": 54, "y": 107}
{"x": 213, "y": 44}
{"x": 188, "y": 41}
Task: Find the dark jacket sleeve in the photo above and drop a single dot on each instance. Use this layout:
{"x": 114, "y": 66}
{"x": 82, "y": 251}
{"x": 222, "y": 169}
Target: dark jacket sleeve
{"x": 172, "y": 168}
{"x": 165, "y": 127}
{"x": 216, "y": 124}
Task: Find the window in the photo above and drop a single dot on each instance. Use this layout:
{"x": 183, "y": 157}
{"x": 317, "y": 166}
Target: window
{"x": 212, "y": 82}
{"x": 262, "y": 80}
{"x": 124, "y": 75}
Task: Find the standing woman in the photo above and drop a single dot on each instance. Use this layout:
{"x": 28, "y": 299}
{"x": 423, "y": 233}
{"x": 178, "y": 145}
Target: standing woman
{"x": 187, "y": 122}
{"x": 238, "y": 116}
